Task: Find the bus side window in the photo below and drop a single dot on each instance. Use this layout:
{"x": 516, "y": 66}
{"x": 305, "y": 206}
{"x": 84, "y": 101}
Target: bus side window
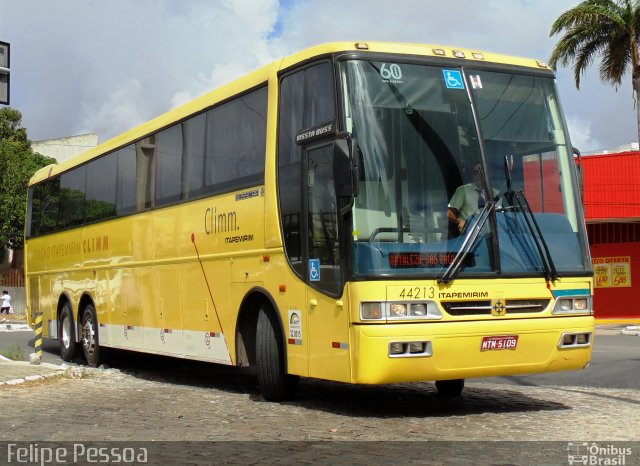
{"x": 145, "y": 171}
{"x": 236, "y": 139}
{"x": 193, "y": 151}
{"x": 101, "y": 188}
{"x": 169, "y": 165}
{"x": 45, "y": 206}
{"x": 72, "y": 188}
{"x": 290, "y": 167}
{"x": 126, "y": 182}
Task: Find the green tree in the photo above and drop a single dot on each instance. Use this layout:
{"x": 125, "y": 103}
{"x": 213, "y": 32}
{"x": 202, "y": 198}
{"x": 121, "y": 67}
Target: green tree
{"x": 606, "y": 28}
{"x": 17, "y": 164}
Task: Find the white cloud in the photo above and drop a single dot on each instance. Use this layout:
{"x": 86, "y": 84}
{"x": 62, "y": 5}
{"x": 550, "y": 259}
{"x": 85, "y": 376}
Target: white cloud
{"x": 220, "y": 74}
{"x": 581, "y": 135}
{"x": 124, "y": 108}
{"x": 69, "y": 75}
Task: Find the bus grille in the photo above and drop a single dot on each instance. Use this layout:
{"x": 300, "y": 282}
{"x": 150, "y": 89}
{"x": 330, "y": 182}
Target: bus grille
{"x": 477, "y": 308}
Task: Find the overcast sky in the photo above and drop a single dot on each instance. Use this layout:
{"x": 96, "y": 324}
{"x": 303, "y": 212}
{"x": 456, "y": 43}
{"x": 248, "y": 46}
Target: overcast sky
{"x": 100, "y": 66}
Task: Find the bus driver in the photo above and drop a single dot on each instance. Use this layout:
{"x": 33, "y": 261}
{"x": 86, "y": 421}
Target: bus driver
{"x": 468, "y": 200}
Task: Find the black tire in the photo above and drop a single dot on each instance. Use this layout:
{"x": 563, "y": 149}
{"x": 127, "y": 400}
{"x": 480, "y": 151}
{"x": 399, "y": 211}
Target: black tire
{"x": 89, "y": 336}
{"x": 67, "y": 333}
{"x": 275, "y": 383}
{"x": 450, "y": 388}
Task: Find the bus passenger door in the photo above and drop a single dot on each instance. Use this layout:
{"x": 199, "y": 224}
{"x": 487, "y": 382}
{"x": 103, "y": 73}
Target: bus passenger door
{"x": 328, "y": 317}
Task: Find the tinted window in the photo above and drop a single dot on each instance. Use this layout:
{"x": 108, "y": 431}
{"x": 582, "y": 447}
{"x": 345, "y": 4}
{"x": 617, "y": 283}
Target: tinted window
{"x": 126, "y": 184}
{"x": 289, "y": 166}
{"x": 169, "y": 165}
{"x": 324, "y": 245}
{"x": 320, "y": 103}
{"x": 193, "y": 134}
{"x": 45, "y": 203}
{"x": 145, "y": 172}
{"x": 216, "y": 151}
{"x": 101, "y": 188}
{"x": 306, "y": 100}
{"x": 72, "y": 190}
{"x": 236, "y": 141}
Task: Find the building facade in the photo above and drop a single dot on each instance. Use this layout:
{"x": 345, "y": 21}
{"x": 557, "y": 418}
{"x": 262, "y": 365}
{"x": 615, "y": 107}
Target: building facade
{"x": 612, "y": 212}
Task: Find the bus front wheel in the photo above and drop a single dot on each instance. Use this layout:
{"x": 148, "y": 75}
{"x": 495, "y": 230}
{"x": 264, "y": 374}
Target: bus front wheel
{"x": 450, "y": 388}
{"x": 67, "y": 333}
{"x": 275, "y": 383}
{"x": 89, "y": 336}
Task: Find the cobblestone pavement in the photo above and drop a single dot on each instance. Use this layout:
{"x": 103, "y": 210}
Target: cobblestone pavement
{"x": 168, "y": 400}
{"x": 200, "y": 402}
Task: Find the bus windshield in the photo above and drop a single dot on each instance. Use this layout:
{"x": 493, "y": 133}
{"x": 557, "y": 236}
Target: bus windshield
{"x": 424, "y": 134}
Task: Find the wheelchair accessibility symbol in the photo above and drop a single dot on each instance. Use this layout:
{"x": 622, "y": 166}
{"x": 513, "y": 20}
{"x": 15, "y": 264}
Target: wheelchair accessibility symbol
{"x": 453, "y": 79}
{"x": 314, "y": 270}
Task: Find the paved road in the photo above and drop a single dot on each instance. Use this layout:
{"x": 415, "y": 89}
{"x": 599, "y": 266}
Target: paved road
{"x": 615, "y": 364}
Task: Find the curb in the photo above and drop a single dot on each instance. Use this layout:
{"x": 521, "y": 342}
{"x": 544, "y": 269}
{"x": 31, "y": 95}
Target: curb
{"x": 631, "y": 330}
{"x": 626, "y": 321}
{"x": 57, "y": 370}
{"x": 14, "y": 327}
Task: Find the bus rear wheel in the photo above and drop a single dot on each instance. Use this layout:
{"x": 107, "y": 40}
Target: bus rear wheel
{"x": 89, "y": 336}
{"x": 67, "y": 333}
{"x": 275, "y": 383}
{"x": 450, "y": 388}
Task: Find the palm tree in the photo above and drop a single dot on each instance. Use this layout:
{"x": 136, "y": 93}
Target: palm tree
{"x": 608, "y": 28}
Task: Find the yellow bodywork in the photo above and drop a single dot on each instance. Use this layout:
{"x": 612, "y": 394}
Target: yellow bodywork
{"x": 173, "y": 280}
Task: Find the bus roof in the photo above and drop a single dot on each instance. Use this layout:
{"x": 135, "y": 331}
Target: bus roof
{"x": 261, "y": 76}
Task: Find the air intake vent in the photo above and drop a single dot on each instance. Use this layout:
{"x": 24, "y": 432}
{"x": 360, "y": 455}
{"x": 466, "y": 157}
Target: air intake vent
{"x": 478, "y": 308}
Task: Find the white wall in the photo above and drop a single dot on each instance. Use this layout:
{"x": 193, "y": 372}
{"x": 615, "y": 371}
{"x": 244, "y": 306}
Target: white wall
{"x": 65, "y": 148}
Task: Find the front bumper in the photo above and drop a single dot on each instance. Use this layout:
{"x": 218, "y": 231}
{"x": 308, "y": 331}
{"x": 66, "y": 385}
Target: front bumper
{"x": 455, "y": 349}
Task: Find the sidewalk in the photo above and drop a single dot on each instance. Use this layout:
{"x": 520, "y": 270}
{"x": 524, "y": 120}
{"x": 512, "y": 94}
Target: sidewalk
{"x": 17, "y": 372}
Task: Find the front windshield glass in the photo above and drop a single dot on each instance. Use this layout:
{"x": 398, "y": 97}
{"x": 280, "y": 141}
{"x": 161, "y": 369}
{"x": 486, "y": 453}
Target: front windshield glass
{"x": 526, "y": 143}
{"x": 419, "y": 155}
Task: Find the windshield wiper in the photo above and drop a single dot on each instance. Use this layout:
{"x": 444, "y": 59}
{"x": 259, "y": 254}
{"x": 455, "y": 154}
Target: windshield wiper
{"x": 469, "y": 242}
{"x": 473, "y": 234}
{"x": 518, "y": 200}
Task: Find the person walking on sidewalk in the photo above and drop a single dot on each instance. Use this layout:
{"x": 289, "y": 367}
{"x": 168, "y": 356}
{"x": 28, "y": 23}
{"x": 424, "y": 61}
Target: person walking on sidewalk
{"x": 6, "y": 303}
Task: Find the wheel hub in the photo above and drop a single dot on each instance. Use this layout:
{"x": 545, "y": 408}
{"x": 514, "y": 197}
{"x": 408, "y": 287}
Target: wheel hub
{"x": 88, "y": 337}
{"x": 66, "y": 333}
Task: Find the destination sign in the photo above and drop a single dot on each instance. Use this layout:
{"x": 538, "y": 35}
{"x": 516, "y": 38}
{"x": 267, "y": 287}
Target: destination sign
{"x": 406, "y": 260}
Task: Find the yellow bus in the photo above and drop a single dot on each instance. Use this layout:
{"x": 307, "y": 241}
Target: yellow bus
{"x": 297, "y": 220}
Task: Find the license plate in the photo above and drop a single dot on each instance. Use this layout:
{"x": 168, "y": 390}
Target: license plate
{"x": 508, "y": 342}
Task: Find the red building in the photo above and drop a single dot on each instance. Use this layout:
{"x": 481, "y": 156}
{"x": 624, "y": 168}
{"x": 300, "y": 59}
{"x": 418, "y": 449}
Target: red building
{"x": 612, "y": 211}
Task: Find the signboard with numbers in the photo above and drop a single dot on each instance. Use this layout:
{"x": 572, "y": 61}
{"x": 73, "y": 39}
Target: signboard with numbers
{"x": 612, "y": 272}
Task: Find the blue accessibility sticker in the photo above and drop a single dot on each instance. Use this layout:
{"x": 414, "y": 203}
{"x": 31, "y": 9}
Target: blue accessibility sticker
{"x": 453, "y": 79}
{"x": 314, "y": 270}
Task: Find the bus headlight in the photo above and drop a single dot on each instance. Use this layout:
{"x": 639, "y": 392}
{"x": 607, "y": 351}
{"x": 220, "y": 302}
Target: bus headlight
{"x": 397, "y": 310}
{"x": 421, "y": 310}
{"x": 580, "y": 304}
{"x": 396, "y": 348}
{"x": 371, "y": 311}
{"x": 418, "y": 309}
{"x": 573, "y": 305}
